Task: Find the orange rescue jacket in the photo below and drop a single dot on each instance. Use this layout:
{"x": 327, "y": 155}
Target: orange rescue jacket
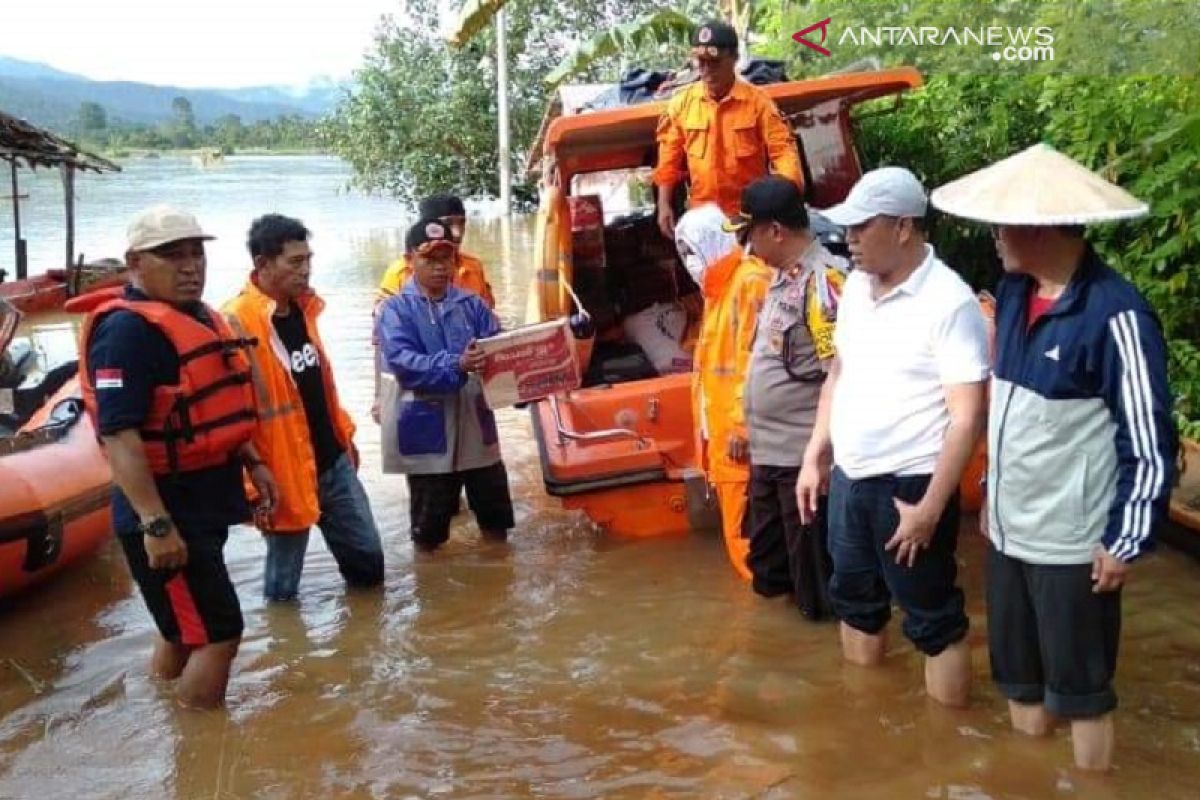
{"x": 282, "y": 438}
{"x": 725, "y": 145}
{"x": 468, "y": 274}
{"x": 734, "y": 290}
{"x": 201, "y": 421}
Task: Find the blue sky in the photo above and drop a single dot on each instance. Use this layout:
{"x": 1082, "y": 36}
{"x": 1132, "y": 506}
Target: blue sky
{"x": 225, "y": 43}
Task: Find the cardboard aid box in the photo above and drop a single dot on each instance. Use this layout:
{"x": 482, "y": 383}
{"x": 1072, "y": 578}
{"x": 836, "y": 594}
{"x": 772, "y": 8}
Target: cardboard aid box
{"x": 529, "y": 363}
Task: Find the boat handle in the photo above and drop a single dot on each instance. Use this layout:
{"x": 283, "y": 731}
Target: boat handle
{"x": 565, "y": 434}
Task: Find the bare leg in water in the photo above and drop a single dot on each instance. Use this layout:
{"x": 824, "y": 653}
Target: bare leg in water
{"x": 203, "y": 672}
{"x": 1031, "y": 719}
{"x": 948, "y": 675}
{"x": 864, "y": 649}
{"x": 1093, "y": 741}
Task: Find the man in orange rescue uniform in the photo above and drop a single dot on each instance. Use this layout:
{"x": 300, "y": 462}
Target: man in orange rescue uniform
{"x": 722, "y": 133}
{"x": 734, "y": 287}
{"x": 167, "y": 386}
{"x": 305, "y": 435}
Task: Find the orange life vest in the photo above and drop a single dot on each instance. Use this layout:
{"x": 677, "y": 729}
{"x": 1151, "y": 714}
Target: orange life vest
{"x": 282, "y": 437}
{"x": 201, "y": 421}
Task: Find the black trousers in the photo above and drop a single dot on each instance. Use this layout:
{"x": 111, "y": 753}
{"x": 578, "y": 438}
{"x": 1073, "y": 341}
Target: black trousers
{"x": 434, "y": 500}
{"x": 786, "y": 556}
{"x": 1051, "y": 639}
{"x": 866, "y": 577}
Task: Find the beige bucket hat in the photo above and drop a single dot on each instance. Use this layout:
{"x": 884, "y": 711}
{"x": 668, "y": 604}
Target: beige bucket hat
{"x": 1038, "y": 186}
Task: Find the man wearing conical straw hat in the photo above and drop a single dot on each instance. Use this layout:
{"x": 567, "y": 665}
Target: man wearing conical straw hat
{"x": 1080, "y": 441}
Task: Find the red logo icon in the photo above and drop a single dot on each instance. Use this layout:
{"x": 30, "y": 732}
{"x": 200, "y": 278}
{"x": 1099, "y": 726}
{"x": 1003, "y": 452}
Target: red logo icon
{"x": 822, "y": 25}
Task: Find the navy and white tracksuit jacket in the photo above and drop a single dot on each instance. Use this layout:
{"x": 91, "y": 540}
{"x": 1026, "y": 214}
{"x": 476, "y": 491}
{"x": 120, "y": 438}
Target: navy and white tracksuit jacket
{"x": 1081, "y": 443}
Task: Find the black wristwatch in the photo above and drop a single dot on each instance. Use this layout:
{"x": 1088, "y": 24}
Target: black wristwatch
{"x": 158, "y": 527}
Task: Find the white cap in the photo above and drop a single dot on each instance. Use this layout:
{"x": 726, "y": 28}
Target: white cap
{"x": 891, "y": 191}
{"x": 159, "y": 225}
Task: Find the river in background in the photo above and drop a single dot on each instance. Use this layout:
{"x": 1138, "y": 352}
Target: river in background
{"x": 566, "y": 664}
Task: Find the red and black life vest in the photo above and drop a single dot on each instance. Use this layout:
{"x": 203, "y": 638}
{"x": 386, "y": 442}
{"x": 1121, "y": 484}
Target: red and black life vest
{"x": 202, "y": 420}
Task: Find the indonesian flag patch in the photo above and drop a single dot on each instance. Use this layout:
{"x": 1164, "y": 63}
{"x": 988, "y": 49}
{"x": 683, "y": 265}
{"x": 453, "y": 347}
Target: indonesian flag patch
{"x": 109, "y": 379}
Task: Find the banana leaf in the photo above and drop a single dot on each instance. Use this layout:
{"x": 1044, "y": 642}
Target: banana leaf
{"x": 473, "y": 17}
{"x": 661, "y": 27}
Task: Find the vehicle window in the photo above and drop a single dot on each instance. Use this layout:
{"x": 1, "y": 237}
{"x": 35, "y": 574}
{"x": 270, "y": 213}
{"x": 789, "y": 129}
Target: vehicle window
{"x": 621, "y": 191}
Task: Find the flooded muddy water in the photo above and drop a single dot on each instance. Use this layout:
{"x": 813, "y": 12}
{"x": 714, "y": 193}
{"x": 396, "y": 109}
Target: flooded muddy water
{"x": 565, "y": 664}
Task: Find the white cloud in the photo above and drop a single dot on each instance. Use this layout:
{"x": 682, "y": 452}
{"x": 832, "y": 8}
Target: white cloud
{"x": 223, "y": 43}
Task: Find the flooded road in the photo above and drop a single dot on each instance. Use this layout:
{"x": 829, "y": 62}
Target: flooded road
{"x": 565, "y": 664}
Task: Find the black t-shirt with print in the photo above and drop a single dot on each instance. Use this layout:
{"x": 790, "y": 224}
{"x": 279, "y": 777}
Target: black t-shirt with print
{"x": 306, "y": 371}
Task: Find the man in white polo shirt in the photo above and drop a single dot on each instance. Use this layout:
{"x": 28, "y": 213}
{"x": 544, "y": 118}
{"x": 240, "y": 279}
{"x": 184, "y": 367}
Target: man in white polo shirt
{"x": 900, "y": 413}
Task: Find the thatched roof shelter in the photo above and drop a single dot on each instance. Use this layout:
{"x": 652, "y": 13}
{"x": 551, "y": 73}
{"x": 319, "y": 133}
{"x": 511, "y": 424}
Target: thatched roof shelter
{"x": 37, "y": 147}
{"x": 23, "y": 144}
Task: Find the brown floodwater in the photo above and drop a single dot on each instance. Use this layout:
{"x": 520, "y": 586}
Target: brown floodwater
{"x": 566, "y": 664}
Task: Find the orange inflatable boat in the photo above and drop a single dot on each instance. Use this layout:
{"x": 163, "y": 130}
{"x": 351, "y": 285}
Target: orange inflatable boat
{"x": 54, "y": 492}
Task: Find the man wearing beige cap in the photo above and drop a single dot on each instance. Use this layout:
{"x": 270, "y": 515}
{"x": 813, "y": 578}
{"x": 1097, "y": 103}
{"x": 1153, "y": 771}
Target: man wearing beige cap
{"x": 900, "y": 414}
{"x": 167, "y": 387}
{"x": 1081, "y": 443}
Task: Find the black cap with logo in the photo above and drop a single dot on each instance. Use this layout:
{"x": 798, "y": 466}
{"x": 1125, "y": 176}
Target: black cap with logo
{"x": 427, "y": 235}
{"x": 713, "y": 37}
{"x": 770, "y": 199}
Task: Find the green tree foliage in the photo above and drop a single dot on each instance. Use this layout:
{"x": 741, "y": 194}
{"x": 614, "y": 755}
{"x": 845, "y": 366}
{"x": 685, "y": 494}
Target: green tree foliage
{"x": 183, "y": 123}
{"x": 92, "y": 118}
{"x": 229, "y": 132}
{"x": 181, "y": 109}
{"x": 1121, "y": 96}
{"x": 663, "y": 26}
{"x": 424, "y": 115}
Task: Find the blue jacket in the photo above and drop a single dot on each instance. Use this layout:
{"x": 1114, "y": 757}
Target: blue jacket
{"x": 433, "y": 415}
{"x": 1080, "y": 436}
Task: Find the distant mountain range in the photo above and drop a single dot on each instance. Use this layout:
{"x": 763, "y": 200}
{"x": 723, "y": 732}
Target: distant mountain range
{"x": 50, "y": 97}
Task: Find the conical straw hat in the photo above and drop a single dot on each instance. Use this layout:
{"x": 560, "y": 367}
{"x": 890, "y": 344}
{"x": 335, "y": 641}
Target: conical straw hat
{"x": 1038, "y": 186}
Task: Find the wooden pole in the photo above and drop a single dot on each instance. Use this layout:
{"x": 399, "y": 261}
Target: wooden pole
{"x": 502, "y": 104}
{"x": 20, "y": 255}
{"x": 68, "y": 179}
